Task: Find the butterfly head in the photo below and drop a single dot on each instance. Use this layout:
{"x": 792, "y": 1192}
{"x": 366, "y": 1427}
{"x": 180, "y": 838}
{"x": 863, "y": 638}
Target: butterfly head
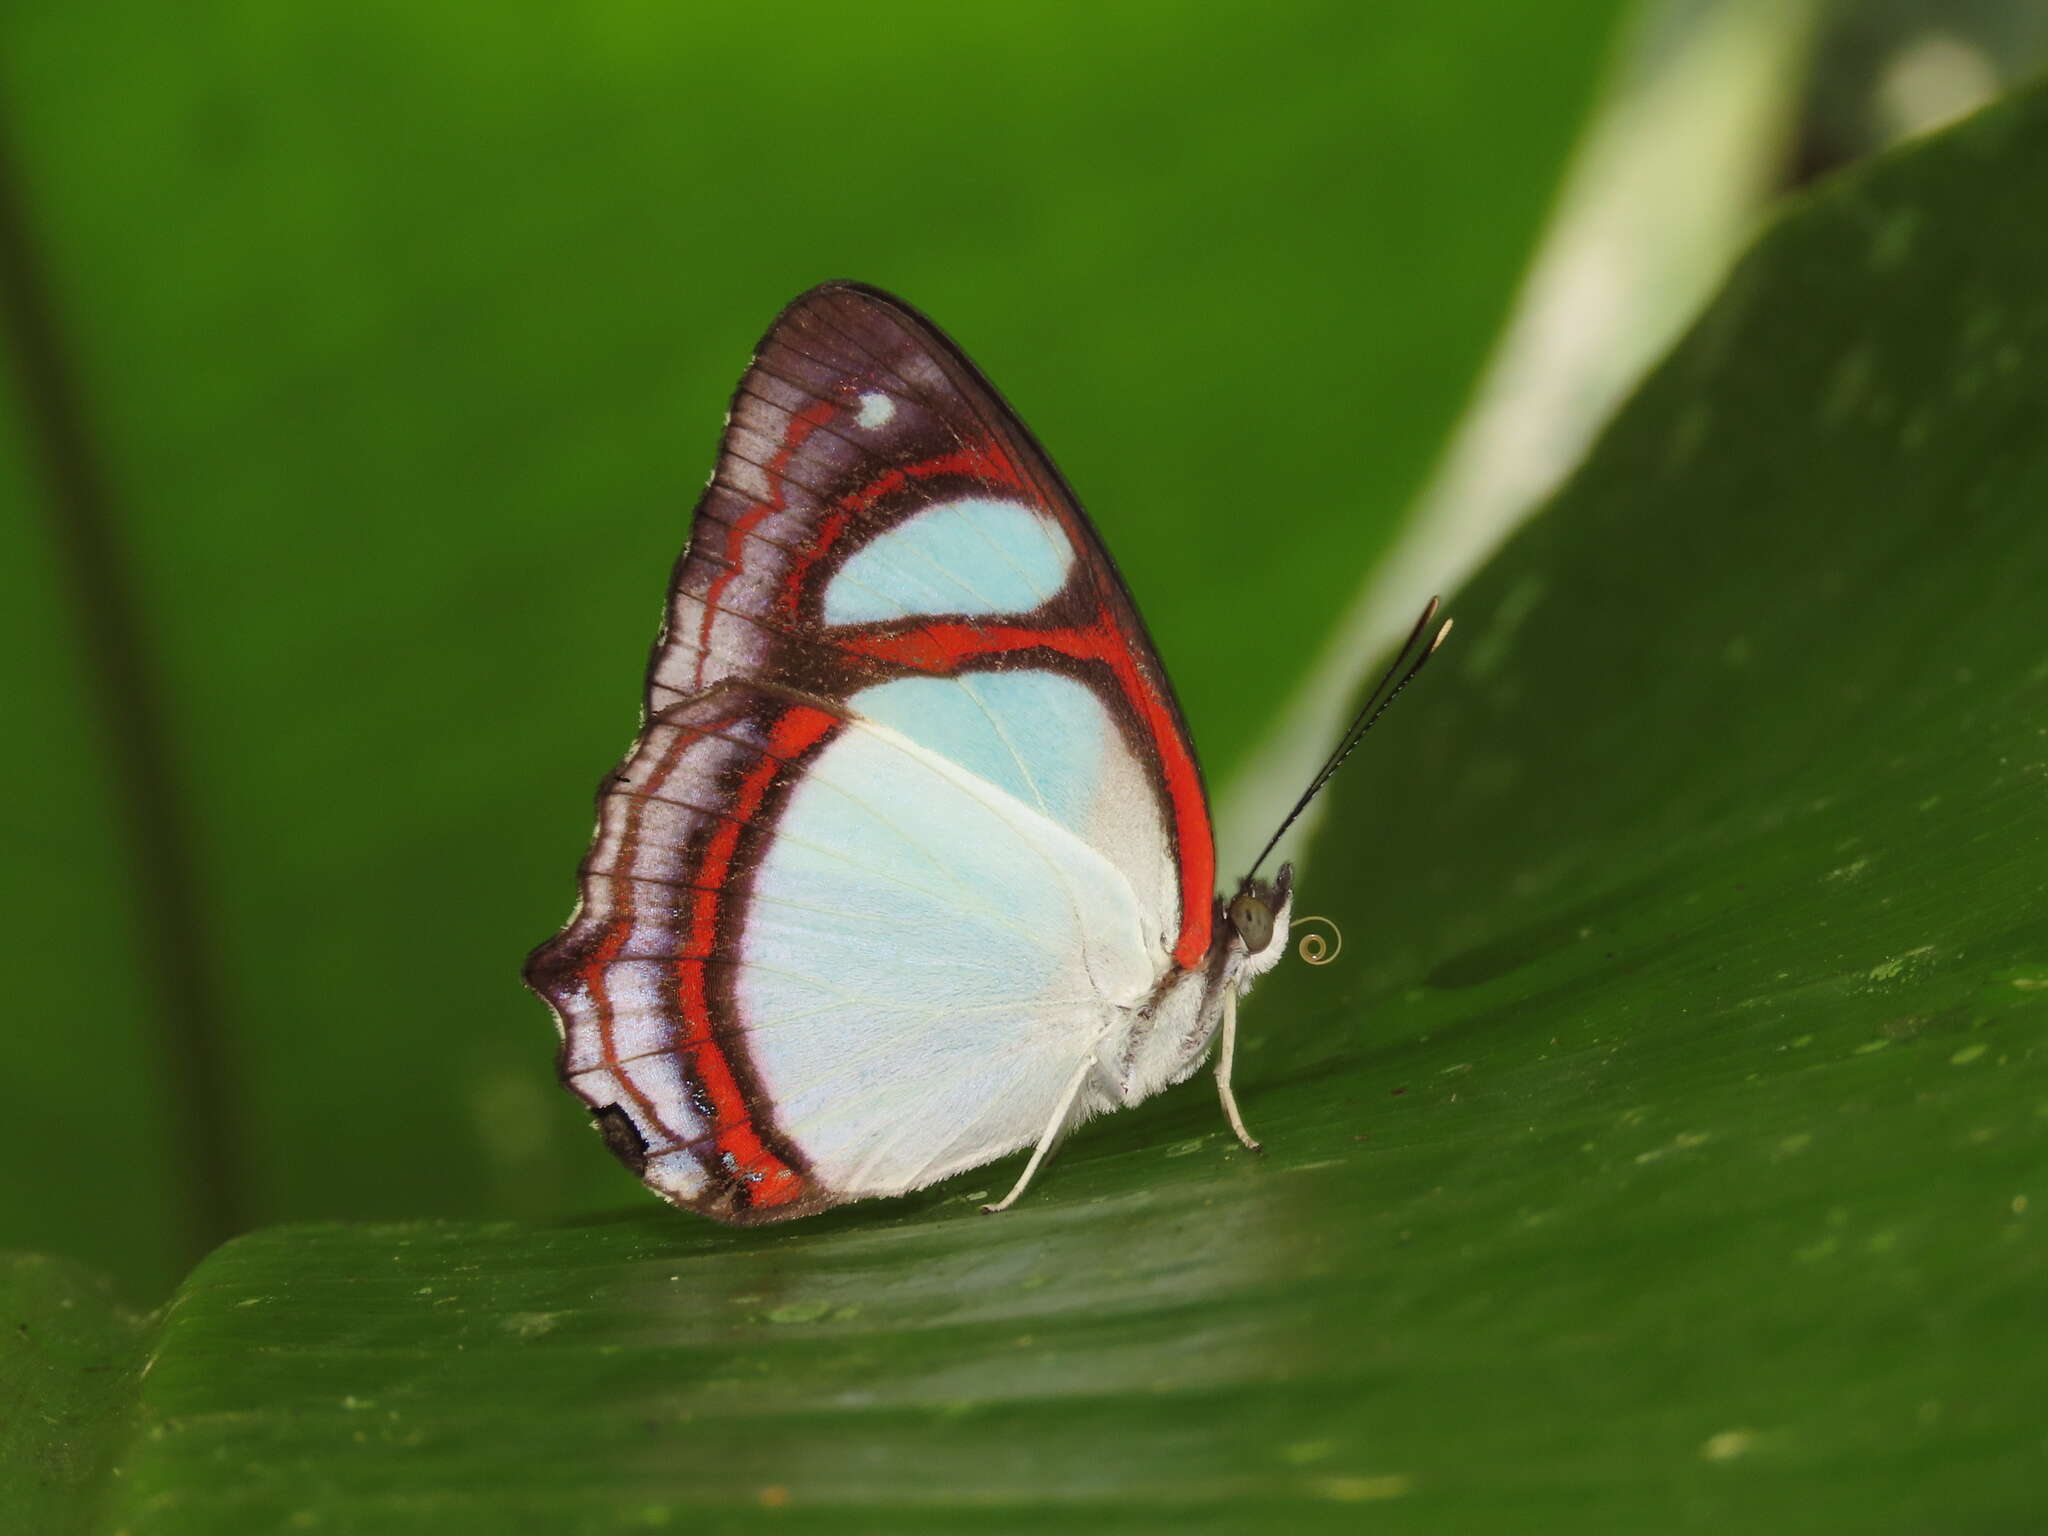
{"x": 1258, "y": 916}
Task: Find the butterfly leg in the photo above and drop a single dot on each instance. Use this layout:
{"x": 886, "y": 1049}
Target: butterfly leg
{"x": 1223, "y": 1061}
{"x": 1053, "y": 1128}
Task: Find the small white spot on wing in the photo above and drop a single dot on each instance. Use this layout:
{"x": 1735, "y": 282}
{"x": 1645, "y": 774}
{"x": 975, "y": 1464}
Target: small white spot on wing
{"x": 876, "y": 409}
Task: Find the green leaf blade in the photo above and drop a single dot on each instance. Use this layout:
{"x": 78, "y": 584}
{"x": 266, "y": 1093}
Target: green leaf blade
{"x": 71, "y": 1358}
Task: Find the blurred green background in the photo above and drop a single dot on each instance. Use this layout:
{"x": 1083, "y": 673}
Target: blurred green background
{"x": 367, "y": 360}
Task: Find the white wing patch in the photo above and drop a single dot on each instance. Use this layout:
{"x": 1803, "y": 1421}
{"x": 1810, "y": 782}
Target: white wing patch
{"x": 876, "y": 410}
{"x": 975, "y": 555}
{"x": 927, "y": 959}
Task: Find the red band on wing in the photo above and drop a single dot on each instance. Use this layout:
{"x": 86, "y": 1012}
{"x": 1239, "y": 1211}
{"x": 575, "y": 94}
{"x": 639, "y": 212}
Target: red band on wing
{"x": 942, "y": 647}
{"x": 765, "y": 1179}
{"x": 976, "y": 461}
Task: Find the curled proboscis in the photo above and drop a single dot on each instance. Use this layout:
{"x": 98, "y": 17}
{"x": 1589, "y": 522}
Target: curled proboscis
{"x": 1314, "y": 949}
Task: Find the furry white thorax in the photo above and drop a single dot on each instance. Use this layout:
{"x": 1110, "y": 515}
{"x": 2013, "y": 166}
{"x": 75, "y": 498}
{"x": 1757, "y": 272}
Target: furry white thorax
{"x": 1155, "y": 1047}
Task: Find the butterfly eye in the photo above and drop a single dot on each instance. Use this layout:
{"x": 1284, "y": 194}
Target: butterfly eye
{"x": 1253, "y": 920}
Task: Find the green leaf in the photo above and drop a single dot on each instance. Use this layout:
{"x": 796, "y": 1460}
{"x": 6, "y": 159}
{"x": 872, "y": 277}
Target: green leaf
{"x": 1665, "y": 1153}
{"x": 69, "y": 1363}
{"x": 400, "y": 335}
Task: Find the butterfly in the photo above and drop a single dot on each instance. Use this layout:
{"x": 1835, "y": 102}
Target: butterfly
{"x": 911, "y": 865}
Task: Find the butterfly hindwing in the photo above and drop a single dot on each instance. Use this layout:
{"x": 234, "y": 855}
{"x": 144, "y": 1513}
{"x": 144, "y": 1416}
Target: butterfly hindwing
{"x": 914, "y": 811}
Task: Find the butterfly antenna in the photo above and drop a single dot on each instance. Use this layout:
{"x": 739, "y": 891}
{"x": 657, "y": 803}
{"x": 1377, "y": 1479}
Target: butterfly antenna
{"x": 1407, "y": 662}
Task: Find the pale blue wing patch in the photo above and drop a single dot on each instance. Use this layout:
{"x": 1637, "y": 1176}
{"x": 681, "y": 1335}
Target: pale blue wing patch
{"x": 1049, "y": 741}
{"x": 1038, "y": 735}
{"x": 973, "y": 556}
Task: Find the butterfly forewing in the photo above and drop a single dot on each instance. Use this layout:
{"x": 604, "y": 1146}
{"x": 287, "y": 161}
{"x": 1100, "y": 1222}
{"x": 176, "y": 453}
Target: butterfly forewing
{"x": 914, "y": 809}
